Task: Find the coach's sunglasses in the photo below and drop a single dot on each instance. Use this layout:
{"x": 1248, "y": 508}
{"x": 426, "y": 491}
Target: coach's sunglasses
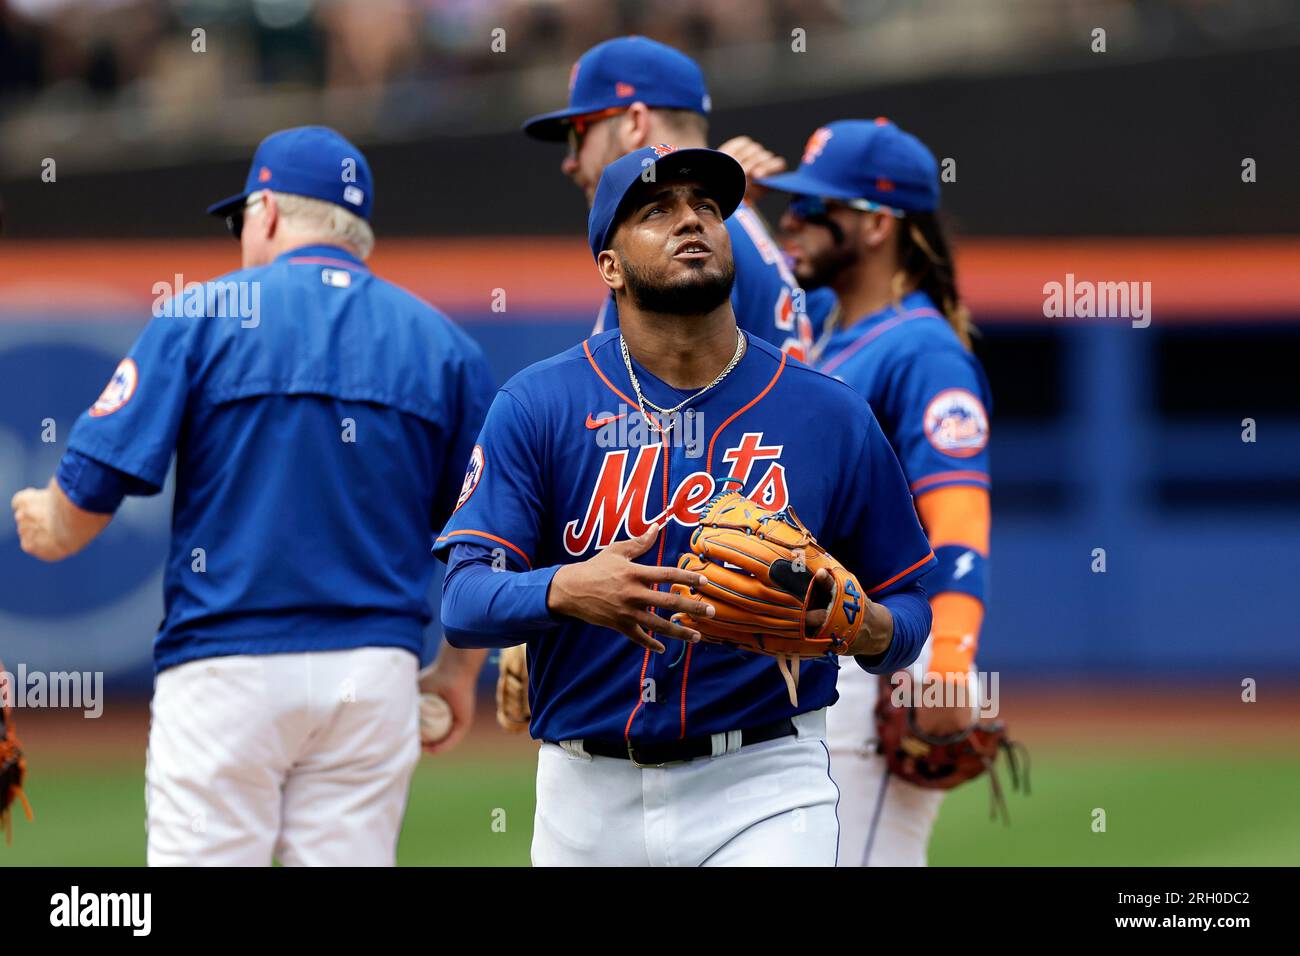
{"x": 578, "y": 126}
{"x": 235, "y": 221}
{"x": 817, "y": 209}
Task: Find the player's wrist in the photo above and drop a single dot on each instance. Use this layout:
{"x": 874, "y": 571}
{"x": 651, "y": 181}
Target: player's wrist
{"x": 558, "y": 596}
{"x": 876, "y": 632}
{"x": 453, "y": 665}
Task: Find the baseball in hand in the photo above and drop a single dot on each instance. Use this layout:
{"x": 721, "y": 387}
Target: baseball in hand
{"x": 435, "y": 718}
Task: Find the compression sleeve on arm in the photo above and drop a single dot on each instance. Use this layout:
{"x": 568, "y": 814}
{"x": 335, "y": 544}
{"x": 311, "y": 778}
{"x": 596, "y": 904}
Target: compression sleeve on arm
{"x": 911, "y": 613}
{"x": 486, "y": 604}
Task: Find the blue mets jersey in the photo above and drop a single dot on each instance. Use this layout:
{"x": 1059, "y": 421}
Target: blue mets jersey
{"x": 566, "y": 465}
{"x": 927, "y": 390}
{"x": 766, "y": 298}
{"x": 321, "y": 419}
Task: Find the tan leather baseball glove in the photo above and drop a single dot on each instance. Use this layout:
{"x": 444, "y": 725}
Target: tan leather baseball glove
{"x": 760, "y": 565}
{"x": 513, "y": 713}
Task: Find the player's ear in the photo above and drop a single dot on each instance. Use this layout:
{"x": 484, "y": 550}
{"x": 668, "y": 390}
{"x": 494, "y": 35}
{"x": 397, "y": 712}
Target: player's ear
{"x": 271, "y": 212}
{"x": 879, "y": 229}
{"x": 634, "y": 129}
{"x": 611, "y": 269}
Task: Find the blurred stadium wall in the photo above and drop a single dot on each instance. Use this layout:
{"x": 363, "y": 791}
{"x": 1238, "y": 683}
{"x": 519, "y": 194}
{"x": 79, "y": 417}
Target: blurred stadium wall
{"x": 1123, "y": 166}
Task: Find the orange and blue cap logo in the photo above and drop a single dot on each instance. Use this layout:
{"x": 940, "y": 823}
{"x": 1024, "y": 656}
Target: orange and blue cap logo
{"x": 622, "y": 90}
{"x": 663, "y": 149}
{"x": 264, "y": 174}
{"x": 816, "y": 143}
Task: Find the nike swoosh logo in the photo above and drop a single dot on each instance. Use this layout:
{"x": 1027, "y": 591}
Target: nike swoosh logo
{"x": 593, "y": 423}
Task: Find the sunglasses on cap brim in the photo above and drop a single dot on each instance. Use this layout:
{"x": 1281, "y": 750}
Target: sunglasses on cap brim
{"x": 817, "y": 207}
{"x": 577, "y": 126}
{"x": 235, "y": 220}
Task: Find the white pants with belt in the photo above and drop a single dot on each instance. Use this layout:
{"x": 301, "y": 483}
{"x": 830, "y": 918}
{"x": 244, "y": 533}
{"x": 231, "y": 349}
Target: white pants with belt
{"x": 306, "y": 758}
{"x": 768, "y": 804}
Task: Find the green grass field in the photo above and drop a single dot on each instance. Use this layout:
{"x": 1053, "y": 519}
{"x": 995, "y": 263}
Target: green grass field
{"x": 1194, "y": 809}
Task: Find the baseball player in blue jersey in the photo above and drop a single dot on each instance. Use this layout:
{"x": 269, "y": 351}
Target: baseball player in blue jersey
{"x": 582, "y": 493}
{"x": 625, "y": 94}
{"x": 631, "y": 92}
{"x": 862, "y": 221}
{"x": 320, "y": 437}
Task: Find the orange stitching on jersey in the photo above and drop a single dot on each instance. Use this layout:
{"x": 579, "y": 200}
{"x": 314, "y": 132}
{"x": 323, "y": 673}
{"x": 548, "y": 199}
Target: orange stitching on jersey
{"x": 640, "y": 696}
{"x": 663, "y": 531}
{"x": 736, "y": 414}
{"x": 686, "y": 667}
{"x": 686, "y": 672}
{"x": 596, "y": 368}
{"x": 901, "y": 574}
{"x": 492, "y": 537}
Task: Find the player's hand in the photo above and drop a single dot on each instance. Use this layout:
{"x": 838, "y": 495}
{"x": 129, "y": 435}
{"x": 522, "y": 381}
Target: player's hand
{"x": 942, "y": 721}
{"x": 453, "y": 677}
{"x": 39, "y": 531}
{"x": 612, "y": 590}
{"x": 876, "y": 632}
{"x": 50, "y": 526}
{"x": 758, "y": 162}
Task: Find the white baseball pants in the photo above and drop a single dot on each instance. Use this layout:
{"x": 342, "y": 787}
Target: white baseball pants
{"x": 768, "y": 804}
{"x": 884, "y": 821}
{"x": 305, "y": 758}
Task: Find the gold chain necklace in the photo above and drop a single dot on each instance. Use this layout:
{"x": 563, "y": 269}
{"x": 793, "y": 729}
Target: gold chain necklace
{"x": 643, "y": 402}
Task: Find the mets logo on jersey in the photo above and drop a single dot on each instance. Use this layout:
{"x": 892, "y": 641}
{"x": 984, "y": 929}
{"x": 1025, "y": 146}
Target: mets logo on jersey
{"x": 956, "y": 424}
{"x": 472, "y": 475}
{"x": 118, "y": 391}
{"x": 621, "y": 503}
{"x": 816, "y": 143}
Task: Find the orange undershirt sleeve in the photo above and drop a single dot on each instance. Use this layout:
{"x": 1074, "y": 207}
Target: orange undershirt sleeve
{"x": 955, "y": 516}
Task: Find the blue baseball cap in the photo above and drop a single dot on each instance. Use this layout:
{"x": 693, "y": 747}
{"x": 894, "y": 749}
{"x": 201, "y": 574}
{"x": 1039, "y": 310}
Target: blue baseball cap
{"x": 621, "y": 72}
{"x": 865, "y": 159}
{"x": 722, "y": 176}
{"x": 312, "y": 161}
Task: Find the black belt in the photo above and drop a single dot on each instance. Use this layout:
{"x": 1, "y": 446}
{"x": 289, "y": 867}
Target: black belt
{"x": 689, "y": 748}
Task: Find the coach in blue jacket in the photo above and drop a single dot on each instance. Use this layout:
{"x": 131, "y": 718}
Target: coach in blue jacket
{"x": 321, "y": 419}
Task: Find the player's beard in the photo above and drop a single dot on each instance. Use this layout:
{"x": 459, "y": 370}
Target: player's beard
{"x": 822, "y": 268}
{"x": 697, "y": 292}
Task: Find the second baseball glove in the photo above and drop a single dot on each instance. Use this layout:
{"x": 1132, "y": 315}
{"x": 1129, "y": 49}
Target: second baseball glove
{"x": 942, "y": 763}
{"x": 13, "y": 766}
{"x": 513, "y": 713}
{"x": 760, "y": 566}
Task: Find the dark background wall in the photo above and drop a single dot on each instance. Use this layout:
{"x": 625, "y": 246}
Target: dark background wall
{"x": 1134, "y": 149}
